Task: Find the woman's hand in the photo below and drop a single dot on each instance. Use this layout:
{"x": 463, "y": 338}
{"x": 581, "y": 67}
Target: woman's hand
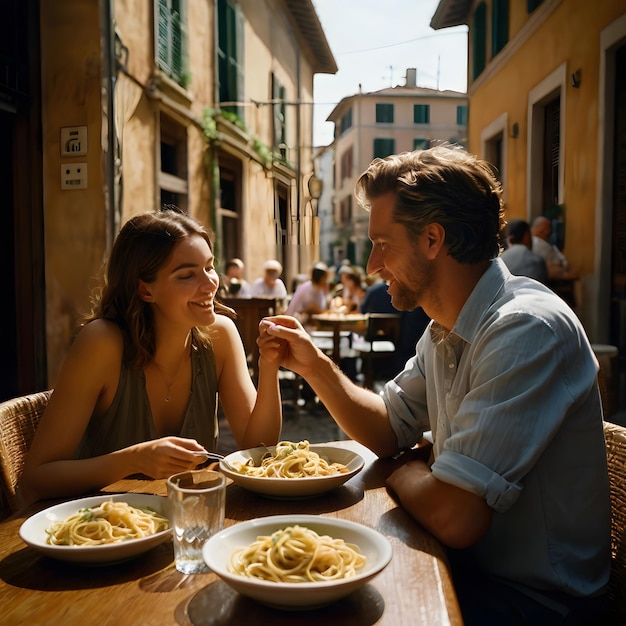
{"x": 160, "y": 458}
{"x": 283, "y": 341}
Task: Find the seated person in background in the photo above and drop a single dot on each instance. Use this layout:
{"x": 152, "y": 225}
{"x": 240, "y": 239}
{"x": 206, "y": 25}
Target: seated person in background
{"x": 518, "y": 256}
{"x": 234, "y": 283}
{"x": 312, "y": 296}
{"x": 138, "y": 391}
{"x": 353, "y": 290}
{"x": 412, "y": 326}
{"x": 556, "y": 263}
{"x": 270, "y": 284}
{"x": 505, "y": 378}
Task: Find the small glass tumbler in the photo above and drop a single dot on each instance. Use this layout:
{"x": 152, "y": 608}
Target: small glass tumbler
{"x": 197, "y": 502}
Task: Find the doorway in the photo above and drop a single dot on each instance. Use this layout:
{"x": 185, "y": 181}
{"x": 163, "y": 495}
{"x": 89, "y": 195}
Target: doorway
{"x": 22, "y": 282}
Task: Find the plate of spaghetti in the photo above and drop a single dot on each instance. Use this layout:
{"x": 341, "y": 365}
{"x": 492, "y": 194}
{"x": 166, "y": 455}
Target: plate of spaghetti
{"x": 100, "y": 529}
{"x": 297, "y": 561}
{"x": 292, "y": 469}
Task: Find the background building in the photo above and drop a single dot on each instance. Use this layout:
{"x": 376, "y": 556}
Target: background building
{"x": 113, "y": 107}
{"x": 377, "y": 124}
{"x": 547, "y": 106}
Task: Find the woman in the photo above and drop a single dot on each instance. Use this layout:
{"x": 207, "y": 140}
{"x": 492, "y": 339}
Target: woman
{"x": 137, "y": 393}
{"x": 353, "y": 291}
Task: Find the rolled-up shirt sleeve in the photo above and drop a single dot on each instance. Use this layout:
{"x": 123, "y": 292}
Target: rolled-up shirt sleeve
{"x": 466, "y": 473}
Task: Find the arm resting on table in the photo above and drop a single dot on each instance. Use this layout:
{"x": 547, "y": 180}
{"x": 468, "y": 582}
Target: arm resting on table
{"x": 455, "y": 516}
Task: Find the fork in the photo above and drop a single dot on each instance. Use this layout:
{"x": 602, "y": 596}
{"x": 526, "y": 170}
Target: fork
{"x": 215, "y": 456}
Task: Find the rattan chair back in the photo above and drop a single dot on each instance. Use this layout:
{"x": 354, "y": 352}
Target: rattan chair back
{"x": 19, "y": 418}
{"x": 616, "y": 456}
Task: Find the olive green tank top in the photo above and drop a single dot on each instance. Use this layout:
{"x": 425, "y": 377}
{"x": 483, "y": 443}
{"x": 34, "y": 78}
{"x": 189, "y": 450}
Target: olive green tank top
{"x": 129, "y": 418}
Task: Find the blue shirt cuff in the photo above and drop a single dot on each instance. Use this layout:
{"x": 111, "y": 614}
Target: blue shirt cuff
{"x": 462, "y": 471}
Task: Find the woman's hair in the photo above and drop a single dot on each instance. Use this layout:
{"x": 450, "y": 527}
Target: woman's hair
{"x": 142, "y": 247}
{"x": 444, "y": 185}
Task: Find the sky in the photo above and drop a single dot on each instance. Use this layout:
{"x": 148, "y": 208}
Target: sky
{"x": 374, "y": 42}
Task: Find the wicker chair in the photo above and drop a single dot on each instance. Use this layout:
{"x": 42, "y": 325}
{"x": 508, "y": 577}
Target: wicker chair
{"x": 616, "y": 456}
{"x": 19, "y": 418}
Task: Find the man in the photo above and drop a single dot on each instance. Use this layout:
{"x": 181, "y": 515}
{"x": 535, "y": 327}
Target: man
{"x": 519, "y": 257}
{"x": 233, "y": 280}
{"x": 269, "y": 285}
{"x": 505, "y": 379}
{"x": 556, "y": 262}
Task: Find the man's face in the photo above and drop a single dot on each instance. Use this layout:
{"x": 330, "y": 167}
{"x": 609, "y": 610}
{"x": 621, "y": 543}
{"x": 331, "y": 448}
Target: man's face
{"x": 397, "y": 258}
{"x": 234, "y": 271}
{"x": 271, "y": 276}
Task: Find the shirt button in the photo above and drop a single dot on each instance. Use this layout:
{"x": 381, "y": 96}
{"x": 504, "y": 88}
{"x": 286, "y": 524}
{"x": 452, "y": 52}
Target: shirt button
{"x": 451, "y": 366}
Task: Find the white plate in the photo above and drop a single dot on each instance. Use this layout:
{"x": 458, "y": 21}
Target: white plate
{"x": 33, "y": 530}
{"x": 219, "y": 548}
{"x": 293, "y": 487}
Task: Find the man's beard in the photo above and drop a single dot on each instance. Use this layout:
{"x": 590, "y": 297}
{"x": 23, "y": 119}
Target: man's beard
{"x": 410, "y": 292}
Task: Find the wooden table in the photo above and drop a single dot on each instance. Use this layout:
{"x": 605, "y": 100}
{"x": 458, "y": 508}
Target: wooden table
{"x": 338, "y": 323}
{"x": 415, "y": 588}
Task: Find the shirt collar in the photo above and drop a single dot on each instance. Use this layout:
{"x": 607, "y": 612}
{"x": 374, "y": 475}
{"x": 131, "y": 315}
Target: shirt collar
{"x": 480, "y": 300}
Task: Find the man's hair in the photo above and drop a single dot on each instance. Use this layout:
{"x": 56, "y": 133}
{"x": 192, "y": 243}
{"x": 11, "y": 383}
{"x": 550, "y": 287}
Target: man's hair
{"x": 319, "y": 273}
{"x": 444, "y": 185}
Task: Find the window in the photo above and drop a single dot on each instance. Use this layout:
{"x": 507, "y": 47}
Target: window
{"x": 384, "y": 113}
{"x": 172, "y": 40}
{"x": 479, "y": 40}
{"x": 346, "y": 122}
{"x": 551, "y": 153}
{"x": 500, "y": 25}
{"x": 346, "y": 163}
{"x": 461, "y": 115}
{"x": 421, "y": 113}
{"x": 384, "y": 147}
{"x": 345, "y": 211}
{"x": 230, "y": 207}
{"x": 421, "y": 143}
{"x": 230, "y": 55}
{"x": 172, "y": 176}
{"x": 279, "y": 117}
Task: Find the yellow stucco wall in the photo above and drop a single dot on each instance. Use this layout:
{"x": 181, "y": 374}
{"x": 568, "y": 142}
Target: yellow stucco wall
{"x": 75, "y": 227}
{"x": 569, "y": 35}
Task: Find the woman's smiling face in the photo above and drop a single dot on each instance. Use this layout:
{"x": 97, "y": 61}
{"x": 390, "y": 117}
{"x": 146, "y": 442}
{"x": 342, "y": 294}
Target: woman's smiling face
{"x": 185, "y": 287}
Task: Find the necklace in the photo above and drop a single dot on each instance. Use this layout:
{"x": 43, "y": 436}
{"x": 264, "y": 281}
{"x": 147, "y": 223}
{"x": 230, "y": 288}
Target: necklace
{"x": 162, "y": 372}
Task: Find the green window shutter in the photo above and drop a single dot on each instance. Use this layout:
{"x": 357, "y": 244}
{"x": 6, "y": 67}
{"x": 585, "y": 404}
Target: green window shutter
{"x": 499, "y": 25}
{"x": 230, "y": 55}
{"x": 162, "y": 36}
{"x": 346, "y": 121}
{"x": 421, "y": 113}
{"x": 384, "y": 147}
{"x": 461, "y": 115}
{"x": 479, "y": 40}
{"x": 421, "y": 143}
{"x": 384, "y": 113}
{"x": 172, "y": 40}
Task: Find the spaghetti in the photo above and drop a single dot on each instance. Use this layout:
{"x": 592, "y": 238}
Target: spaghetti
{"x": 291, "y": 460}
{"x": 297, "y": 554}
{"x": 110, "y": 522}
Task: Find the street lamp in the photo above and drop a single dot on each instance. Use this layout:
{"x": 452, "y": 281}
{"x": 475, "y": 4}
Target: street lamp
{"x": 316, "y": 186}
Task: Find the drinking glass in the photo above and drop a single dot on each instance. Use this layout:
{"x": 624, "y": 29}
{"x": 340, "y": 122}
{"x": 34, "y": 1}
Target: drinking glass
{"x": 197, "y": 502}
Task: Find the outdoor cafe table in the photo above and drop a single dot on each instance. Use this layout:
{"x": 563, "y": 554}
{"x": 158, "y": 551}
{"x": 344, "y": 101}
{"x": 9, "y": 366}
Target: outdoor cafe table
{"x": 415, "y": 588}
{"x": 339, "y": 323}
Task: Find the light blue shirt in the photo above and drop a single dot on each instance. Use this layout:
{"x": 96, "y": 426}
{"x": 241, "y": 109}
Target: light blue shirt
{"x": 511, "y": 397}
